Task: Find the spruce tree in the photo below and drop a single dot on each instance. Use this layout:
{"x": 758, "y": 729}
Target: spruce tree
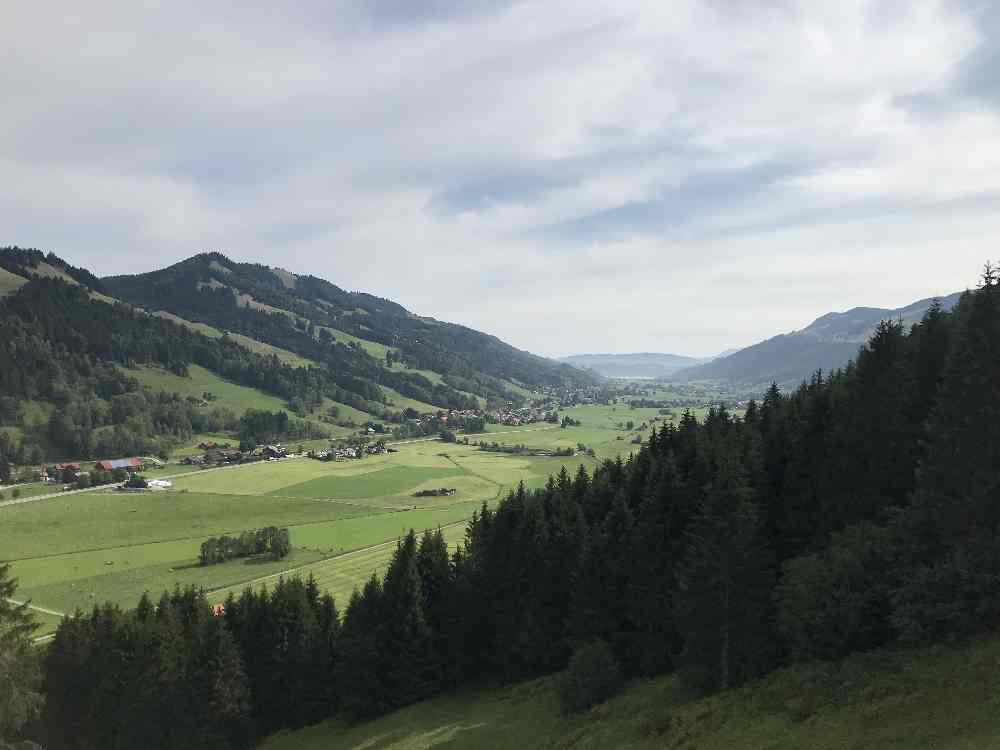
{"x": 20, "y": 697}
{"x": 434, "y": 570}
{"x": 405, "y": 637}
{"x": 229, "y": 695}
{"x": 657, "y": 543}
{"x": 722, "y": 605}
{"x": 364, "y": 692}
{"x": 958, "y": 489}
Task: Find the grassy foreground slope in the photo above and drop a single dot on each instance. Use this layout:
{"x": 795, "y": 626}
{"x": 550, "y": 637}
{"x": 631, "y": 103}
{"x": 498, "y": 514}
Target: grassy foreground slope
{"x": 941, "y": 698}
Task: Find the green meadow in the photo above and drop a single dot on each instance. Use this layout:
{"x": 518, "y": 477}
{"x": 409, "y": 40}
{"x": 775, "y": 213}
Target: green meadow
{"x": 388, "y": 481}
{"x": 10, "y": 282}
{"x": 344, "y": 518}
{"x": 239, "y": 398}
{"x": 942, "y": 698}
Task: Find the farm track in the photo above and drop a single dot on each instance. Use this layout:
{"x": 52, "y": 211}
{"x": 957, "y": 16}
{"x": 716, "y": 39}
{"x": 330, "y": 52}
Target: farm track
{"x": 43, "y": 610}
{"x": 68, "y": 493}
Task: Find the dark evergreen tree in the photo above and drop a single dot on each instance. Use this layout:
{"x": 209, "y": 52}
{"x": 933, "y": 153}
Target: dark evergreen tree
{"x": 722, "y": 606}
{"x": 20, "y": 698}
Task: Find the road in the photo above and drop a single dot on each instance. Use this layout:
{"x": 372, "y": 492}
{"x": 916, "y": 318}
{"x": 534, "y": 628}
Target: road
{"x": 42, "y": 638}
{"x": 67, "y": 493}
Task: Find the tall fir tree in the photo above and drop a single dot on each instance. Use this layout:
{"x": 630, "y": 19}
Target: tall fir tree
{"x": 20, "y": 697}
{"x": 723, "y": 607}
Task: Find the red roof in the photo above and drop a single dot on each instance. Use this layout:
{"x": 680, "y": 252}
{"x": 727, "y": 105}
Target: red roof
{"x": 120, "y": 463}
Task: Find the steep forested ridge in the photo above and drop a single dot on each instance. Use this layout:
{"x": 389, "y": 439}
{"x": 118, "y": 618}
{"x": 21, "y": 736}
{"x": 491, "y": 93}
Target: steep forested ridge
{"x": 243, "y": 297}
{"x": 860, "y": 510}
{"x": 64, "y": 342}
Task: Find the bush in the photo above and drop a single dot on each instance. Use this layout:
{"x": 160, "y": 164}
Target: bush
{"x": 593, "y": 676}
{"x": 838, "y": 601}
{"x": 956, "y": 597}
{"x": 15, "y": 494}
{"x": 136, "y": 482}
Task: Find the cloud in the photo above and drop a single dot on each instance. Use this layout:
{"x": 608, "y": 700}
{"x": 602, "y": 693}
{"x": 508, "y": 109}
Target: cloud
{"x": 569, "y": 176}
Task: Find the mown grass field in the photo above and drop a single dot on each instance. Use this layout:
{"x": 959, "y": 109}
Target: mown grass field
{"x": 344, "y": 517}
{"x": 940, "y": 699}
{"x": 388, "y": 481}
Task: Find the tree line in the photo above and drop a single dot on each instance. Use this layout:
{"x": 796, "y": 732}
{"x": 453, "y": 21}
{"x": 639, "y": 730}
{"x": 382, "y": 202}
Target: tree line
{"x": 270, "y": 540}
{"x": 858, "y": 511}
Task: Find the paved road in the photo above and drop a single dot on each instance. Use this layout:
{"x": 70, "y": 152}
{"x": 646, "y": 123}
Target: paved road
{"x": 67, "y": 493}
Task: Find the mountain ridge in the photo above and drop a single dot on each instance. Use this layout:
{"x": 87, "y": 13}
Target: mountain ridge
{"x": 212, "y": 289}
{"x": 76, "y": 352}
{"x": 827, "y": 344}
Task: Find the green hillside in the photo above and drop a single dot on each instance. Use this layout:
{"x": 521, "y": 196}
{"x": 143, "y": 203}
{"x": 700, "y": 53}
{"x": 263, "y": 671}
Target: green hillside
{"x": 10, "y": 282}
{"x": 370, "y": 338}
{"x": 941, "y": 698}
{"x": 198, "y": 381}
{"x": 128, "y": 359}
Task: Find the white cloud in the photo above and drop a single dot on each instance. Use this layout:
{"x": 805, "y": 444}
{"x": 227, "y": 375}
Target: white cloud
{"x": 570, "y": 176}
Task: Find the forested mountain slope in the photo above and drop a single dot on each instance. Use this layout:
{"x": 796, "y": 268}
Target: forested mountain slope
{"x": 827, "y": 344}
{"x": 69, "y": 344}
{"x": 308, "y": 315}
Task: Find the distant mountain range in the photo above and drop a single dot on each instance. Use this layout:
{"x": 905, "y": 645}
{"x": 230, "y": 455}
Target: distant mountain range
{"x": 828, "y": 343}
{"x": 638, "y": 365}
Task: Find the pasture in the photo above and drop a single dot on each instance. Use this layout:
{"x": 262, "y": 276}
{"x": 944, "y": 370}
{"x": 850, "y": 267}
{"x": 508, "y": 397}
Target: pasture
{"x": 10, "y": 282}
{"x": 344, "y": 519}
{"x": 937, "y": 697}
{"x": 239, "y": 398}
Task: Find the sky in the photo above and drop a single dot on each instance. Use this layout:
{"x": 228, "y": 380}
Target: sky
{"x": 585, "y": 176}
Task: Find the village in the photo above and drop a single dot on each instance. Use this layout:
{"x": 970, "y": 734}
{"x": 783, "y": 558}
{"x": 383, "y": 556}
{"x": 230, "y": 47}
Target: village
{"x": 126, "y": 472}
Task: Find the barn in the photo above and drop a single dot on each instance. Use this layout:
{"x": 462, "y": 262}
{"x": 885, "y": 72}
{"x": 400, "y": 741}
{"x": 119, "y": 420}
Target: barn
{"x": 129, "y": 464}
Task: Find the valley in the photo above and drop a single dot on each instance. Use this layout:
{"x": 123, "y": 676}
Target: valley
{"x": 336, "y": 509}
{"x": 72, "y": 551}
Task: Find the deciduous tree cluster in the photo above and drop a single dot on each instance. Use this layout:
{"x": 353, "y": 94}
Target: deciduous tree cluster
{"x": 270, "y": 541}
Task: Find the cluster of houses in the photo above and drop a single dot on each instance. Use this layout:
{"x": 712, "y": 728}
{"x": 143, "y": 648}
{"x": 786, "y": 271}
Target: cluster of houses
{"x": 344, "y": 453}
{"x": 543, "y": 411}
{"x": 224, "y": 454}
{"x": 72, "y": 472}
